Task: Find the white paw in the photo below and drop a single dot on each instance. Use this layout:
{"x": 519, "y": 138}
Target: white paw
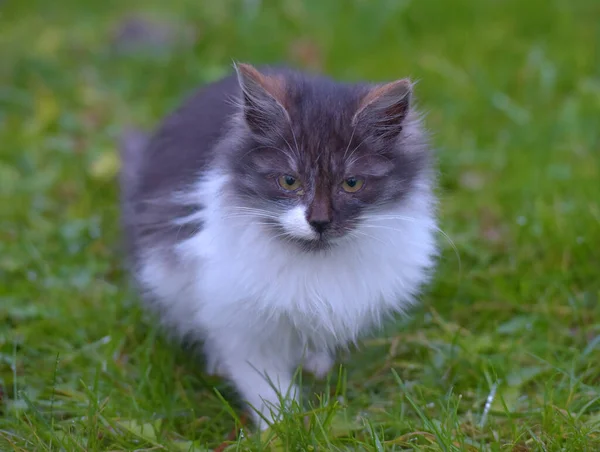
{"x": 318, "y": 363}
{"x": 215, "y": 367}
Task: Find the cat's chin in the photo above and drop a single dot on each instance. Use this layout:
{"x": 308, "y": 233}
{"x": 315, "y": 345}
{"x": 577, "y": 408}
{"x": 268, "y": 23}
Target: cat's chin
{"x": 311, "y": 242}
{"x": 314, "y": 245}
{"x": 317, "y": 244}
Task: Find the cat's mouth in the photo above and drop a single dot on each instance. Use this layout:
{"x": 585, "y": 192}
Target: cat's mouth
{"x": 293, "y": 228}
{"x": 317, "y": 244}
{"x": 307, "y": 242}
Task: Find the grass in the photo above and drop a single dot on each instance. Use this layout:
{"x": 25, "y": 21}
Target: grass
{"x": 504, "y": 352}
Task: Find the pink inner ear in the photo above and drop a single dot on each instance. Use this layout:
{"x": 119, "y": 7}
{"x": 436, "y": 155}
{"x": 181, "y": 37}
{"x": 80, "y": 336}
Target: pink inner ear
{"x": 272, "y": 85}
{"x": 396, "y": 89}
{"x": 386, "y": 105}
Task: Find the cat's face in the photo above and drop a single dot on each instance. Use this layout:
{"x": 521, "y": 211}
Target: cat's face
{"x": 321, "y": 157}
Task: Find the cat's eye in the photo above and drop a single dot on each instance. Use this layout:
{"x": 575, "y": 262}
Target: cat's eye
{"x": 289, "y": 183}
{"x": 352, "y": 184}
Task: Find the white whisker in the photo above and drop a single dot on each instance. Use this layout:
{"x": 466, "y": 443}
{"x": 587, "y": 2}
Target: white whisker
{"x": 413, "y": 220}
{"x": 288, "y": 145}
{"x": 294, "y": 137}
{"x": 378, "y": 239}
{"x": 349, "y": 143}
{"x": 349, "y": 160}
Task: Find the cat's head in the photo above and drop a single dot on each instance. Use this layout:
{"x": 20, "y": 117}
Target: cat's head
{"x": 317, "y": 157}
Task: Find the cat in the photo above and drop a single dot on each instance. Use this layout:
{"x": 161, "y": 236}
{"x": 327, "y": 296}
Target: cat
{"x": 276, "y": 217}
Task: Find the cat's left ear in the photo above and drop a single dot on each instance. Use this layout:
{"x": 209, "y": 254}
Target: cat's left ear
{"x": 264, "y": 97}
{"x": 383, "y": 110}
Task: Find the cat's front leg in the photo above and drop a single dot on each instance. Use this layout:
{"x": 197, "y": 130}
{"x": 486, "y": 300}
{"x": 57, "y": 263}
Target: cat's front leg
{"x": 263, "y": 379}
{"x": 214, "y": 365}
{"x": 319, "y": 363}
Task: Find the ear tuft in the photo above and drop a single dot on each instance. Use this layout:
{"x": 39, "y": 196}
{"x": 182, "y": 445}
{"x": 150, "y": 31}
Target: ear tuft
{"x": 383, "y": 109}
{"x": 264, "y": 98}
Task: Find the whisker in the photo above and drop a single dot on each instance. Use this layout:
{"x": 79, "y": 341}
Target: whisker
{"x": 250, "y": 209}
{"x": 286, "y": 237}
{"x": 294, "y": 137}
{"x": 257, "y": 212}
{"x": 390, "y": 241}
{"x": 238, "y": 211}
{"x": 253, "y": 212}
{"x": 349, "y": 143}
{"x": 288, "y": 145}
{"x": 252, "y": 216}
{"x": 354, "y": 150}
{"x": 413, "y": 220}
{"x": 355, "y": 232}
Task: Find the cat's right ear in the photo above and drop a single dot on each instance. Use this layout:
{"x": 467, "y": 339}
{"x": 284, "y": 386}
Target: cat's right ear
{"x": 263, "y": 98}
{"x": 383, "y": 110}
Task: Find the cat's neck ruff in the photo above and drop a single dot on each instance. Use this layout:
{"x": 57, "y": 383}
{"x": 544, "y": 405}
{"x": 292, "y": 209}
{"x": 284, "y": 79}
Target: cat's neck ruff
{"x": 330, "y": 295}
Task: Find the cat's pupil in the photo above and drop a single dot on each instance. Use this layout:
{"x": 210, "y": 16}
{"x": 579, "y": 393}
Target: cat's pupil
{"x": 289, "y": 180}
{"x": 351, "y": 182}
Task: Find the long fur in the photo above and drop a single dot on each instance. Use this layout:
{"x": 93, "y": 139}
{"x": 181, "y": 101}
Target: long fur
{"x": 260, "y": 304}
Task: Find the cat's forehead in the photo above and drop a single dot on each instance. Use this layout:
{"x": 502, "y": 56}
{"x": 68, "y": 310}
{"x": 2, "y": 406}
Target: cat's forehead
{"x": 321, "y": 113}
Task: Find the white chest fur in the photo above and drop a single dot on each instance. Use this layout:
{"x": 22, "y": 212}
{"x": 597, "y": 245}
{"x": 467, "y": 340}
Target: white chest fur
{"x": 259, "y": 302}
{"x": 241, "y": 274}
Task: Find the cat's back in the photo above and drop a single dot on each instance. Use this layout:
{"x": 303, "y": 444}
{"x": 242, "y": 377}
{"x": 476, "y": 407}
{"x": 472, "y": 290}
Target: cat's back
{"x": 183, "y": 144}
{"x": 171, "y": 160}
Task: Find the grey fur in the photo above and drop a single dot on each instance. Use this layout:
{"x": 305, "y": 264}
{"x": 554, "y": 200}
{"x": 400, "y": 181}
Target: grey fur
{"x": 251, "y": 135}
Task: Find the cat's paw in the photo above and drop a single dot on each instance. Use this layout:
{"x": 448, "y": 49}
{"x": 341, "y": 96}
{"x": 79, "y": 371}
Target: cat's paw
{"x": 318, "y": 363}
{"x": 215, "y": 367}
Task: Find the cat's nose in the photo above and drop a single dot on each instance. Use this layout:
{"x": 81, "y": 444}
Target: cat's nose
{"x": 320, "y": 226}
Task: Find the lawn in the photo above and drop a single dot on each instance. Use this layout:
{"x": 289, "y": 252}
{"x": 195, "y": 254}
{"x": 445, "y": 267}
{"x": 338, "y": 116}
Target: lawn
{"x": 502, "y": 354}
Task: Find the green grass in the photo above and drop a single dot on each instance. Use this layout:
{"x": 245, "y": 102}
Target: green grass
{"x": 512, "y": 94}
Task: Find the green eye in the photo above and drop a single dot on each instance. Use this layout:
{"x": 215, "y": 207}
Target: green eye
{"x": 289, "y": 183}
{"x": 352, "y": 184}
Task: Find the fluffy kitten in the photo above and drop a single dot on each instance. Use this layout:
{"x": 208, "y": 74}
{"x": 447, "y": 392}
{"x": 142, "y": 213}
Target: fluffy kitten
{"x": 276, "y": 216}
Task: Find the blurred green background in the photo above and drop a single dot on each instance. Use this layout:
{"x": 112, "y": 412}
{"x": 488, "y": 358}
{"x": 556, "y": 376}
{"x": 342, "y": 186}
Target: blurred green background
{"x": 511, "y": 92}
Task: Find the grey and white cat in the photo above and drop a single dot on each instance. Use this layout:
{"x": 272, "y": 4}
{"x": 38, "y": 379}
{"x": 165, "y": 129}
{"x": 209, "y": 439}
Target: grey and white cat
{"x": 277, "y": 216}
